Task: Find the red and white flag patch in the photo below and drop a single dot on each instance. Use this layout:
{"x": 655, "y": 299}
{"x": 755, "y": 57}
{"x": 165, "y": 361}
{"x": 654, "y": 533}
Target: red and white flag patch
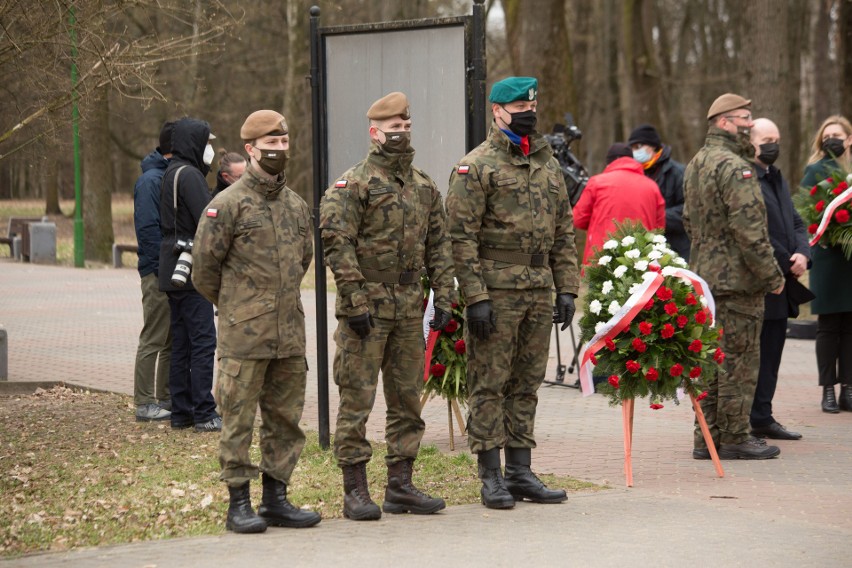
{"x": 341, "y": 183}
{"x": 212, "y": 212}
{"x": 463, "y": 169}
{"x": 746, "y": 174}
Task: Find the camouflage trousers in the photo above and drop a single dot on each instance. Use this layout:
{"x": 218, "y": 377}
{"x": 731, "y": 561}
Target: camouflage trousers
{"x": 730, "y": 392}
{"x": 278, "y": 386}
{"x": 505, "y": 371}
{"x": 396, "y": 347}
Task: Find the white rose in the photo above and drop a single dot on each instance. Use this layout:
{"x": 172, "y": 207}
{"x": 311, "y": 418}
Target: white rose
{"x": 627, "y": 241}
{"x": 595, "y": 307}
{"x": 668, "y": 271}
{"x": 604, "y": 260}
{"x": 655, "y": 255}
{"x": 610, "y": 244}
{"x": 633, "y": 288}
{"x": 613, "y": 307}
{"x": 659, "y": 239}
{"x": 633, "y": 253}
{"x": 703, "y": 301}
{"x": 599, "y": 326}
{"x": 607, "y": 287}
{"x": 641, "y": 265}
{"x": 619, "y": 271}
{"x": 679, "y": 261}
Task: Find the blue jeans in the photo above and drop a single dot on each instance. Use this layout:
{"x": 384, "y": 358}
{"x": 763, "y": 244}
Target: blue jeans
{"x": 193, "y": 350}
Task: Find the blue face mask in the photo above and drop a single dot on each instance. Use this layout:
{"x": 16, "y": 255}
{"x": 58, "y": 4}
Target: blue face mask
{"x": 642, "y": 155}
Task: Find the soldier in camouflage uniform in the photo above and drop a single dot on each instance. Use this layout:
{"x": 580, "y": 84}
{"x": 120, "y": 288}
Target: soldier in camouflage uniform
{"x": 725, "y": 217}
{"x": 252, "y": 248}
{"x": 383, "y": 223}
{"x": 513, "y": 242}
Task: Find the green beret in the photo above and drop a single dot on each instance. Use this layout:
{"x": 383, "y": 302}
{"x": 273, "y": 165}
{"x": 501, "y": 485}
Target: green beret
{"x": 262, "y": 123}
{"x": 513, "y": 89}
{"x": 390, "y": 106}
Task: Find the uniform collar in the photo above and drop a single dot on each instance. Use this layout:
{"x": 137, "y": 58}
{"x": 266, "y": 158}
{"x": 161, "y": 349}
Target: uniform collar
{"x": 498, "y": 139}
{"x": 397, "y": 163}
{"x": 258, "y": 182}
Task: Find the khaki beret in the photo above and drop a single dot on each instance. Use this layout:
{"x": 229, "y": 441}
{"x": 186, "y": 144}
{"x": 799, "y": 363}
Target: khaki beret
{"x": 727, "y": 103}
{"x": 263, "y": 123}
{"x": 389, "y": 106}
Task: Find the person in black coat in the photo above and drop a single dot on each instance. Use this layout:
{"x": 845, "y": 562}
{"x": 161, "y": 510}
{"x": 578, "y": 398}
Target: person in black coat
{"x": 193, "y": 329}
{"x": 789, "y": 239}
{"x": 656, "y": 158}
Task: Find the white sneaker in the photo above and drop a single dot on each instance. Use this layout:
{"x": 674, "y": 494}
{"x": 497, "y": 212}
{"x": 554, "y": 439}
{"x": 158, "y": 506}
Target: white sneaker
{"x": 151, "y": 413}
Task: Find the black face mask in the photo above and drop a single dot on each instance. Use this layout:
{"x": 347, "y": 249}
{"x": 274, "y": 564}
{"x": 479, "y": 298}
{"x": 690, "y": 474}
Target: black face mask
{"x": 833, "y": 147}
{"x": 273, "y": 162}
{"x": 769, "y": 153}
{"x": 523, "y": 123}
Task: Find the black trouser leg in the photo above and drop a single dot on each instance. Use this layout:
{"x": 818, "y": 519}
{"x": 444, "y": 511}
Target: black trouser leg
{"x": 773, "y": 334}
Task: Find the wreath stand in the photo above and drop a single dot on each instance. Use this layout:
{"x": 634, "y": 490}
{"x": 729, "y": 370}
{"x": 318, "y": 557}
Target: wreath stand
{"x": 627, "y": 417}
{"x": 452, "y": 407}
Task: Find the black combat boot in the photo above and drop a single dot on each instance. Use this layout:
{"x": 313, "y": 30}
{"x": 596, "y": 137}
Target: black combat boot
{"x": 357, "y": 504}
{"x": 241, "y": 517}
{"x": 845, "y": 402}
{"x": 277, "y": 511}
{"x": 494, "y": 493}
{"x": 522, "y": 483}
{"x": 401, "y": 496}
{"x": 829, "y": 402}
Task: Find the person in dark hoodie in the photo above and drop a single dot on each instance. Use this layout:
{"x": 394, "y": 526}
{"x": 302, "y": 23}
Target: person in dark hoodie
{"x": 656, "y": 159}
{"x": 193, "y": 330}
{"x": 154, "y": 353}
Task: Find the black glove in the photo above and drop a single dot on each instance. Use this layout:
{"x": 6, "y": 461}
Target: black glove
{"x": 564, "y": 311}
{"x": 361, "y": 324}
{"x": 481, "y": 319}
{"x": 440, "y": 319}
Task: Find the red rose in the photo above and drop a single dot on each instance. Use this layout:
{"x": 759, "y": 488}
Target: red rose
{"x": 842, "y": 216}
{"x": 460, "y": 347}
{"x": 695, "y": 372}
{"x": 437, "y": 370}
{"x": 656, "y": 406}
{"x": 649, "y": 305}
{"x": 645, "y": 327}
{"x": 690, "y": 299}
{"x": 721, "y": 332}
{"x": 652, "y": 374}
{"x": 613, "y": 380}
{"x": 664, "y": 293}
{"x": 676, "y": 370}
{"x": 719, "y": 355}
{"x": 682, "y": 321}
{"x": 812, "y": 228}
{"x": 668, "y": 331}
{"x": 671, "y": 308}
{"x": 829, "y": 180}
{"x": 814, "y": 189}
{"x": 610, "y": 344}
{"x": 455, "y": 305}
{"x": 696, "y": 346}
{"x": 701, "y": 317}
{"x": 632, "y": 366}
{"x": 701, "y": 396}
{"x": 452, "y": 326}
{"x": 820, "y": 206}
{"x": 593, "y": 359}
{"x": 655, "y": 268}
{"x": 639, "y": 345}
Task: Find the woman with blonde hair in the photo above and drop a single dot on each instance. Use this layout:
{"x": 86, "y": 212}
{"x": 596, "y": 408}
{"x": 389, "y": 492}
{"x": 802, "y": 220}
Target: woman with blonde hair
{"x": 831, "y": 274}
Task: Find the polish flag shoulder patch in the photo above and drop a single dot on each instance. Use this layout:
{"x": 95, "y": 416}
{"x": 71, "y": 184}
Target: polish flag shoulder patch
{"x": 463, "y": 169}
{"x": 212, "y": 212}
{"x": 341, "y": 183}
{"x": 746, "y": 174}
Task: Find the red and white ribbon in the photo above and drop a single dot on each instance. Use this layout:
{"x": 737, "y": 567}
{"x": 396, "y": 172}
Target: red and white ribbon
{"x": 829, "y": 213}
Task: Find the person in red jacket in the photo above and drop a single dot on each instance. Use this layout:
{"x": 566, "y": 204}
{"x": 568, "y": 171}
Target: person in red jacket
{"x": 618, "y": 193}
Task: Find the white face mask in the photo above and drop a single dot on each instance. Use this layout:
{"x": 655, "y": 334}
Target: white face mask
{"x": 207, "y": 158}
{"x": 642, "y": 155}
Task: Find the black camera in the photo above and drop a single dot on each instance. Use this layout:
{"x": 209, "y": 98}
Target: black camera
{"x": 575, "y": 174}
{"x": 183, "y": 268}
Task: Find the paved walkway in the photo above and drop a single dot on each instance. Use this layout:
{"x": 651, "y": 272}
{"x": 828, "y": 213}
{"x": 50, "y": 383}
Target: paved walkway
{"x": 81, "y": 326}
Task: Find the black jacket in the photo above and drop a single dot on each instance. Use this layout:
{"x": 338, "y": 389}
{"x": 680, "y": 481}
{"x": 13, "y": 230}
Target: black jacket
{"x": 787, "y": 233}
{"x": 146, "y": 212}
{"x": 189, "y": 138}
{"x": 668, "y": 174}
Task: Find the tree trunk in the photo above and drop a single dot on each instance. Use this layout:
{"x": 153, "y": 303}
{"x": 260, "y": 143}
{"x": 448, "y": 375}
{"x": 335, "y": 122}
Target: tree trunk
{"x": 97, "y": 180}
{"x": 845, "y": 56}
{"x": 641, "y": 63}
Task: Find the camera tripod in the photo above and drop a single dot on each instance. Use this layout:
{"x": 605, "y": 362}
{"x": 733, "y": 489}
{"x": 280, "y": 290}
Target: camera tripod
{"x": 560, "y": 367}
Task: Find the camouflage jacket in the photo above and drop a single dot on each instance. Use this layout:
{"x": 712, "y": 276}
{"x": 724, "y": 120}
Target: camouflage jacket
{"x": 385, "y": 215}
{"x": 501, "y": 199}
{"x": 725, "y": 218}
{"x": 252, "y": 249}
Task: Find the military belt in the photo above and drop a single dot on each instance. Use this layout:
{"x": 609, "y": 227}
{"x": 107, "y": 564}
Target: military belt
{"x": 540, "y": 259}
{"x": 391, "y": 277}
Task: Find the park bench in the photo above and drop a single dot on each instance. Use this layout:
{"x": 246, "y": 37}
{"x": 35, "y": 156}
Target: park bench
{"x": 118, "y": 249}
{"x": 18, "y": 228}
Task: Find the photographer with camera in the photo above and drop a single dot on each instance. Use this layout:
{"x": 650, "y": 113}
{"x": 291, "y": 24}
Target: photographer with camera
{"x": 183, "y": 197}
